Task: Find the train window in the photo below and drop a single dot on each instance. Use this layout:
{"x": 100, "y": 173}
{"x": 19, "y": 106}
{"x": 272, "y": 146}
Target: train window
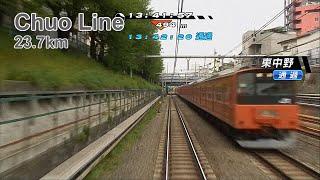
{"x": 260, "y": 88}
{"x": 246, "y": 84}
{"x": 274, "y": 88}
{"x": 221, "y": 94}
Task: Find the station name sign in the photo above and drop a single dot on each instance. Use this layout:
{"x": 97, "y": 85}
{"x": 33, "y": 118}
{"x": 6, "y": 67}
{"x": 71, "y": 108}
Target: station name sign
{"x": 286, "y": 67}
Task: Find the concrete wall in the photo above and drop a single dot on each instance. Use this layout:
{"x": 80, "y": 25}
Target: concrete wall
{"x": 303, "y": 50}
{"x": 24, "y": 140}
{"x": 310, "y": 48}
{"x": 267, "y": 39}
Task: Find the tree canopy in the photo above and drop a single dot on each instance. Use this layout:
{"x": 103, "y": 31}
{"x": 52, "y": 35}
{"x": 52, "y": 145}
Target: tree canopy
{"x": 112, "y": 49}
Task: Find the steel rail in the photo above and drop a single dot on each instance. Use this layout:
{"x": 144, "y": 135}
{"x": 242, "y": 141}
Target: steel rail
{"x": 301, "y": 164}
{"x": 308, "y": 100}
{"x": 307, "y": 104}
{"x": 309, "y": 132}
{"x": 289, "y": 160}
{"x": 168, "y": 139}
{"x": 308, "y": 142}
{"x": 275, "y": 168}
{"x": 308, "y": 129}
{"x": 203, "y": 175}
{"x": 309, "y": 119}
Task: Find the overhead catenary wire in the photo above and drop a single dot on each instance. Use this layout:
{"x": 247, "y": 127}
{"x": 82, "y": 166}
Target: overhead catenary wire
{"x": 276, "y": 54}
{"x": 270, "y": 35}
{"x": 275, "y": 32}
{"x": 244, "y": 41}
{"x": 253, "y": 35}
{"x": 262, "y": 27}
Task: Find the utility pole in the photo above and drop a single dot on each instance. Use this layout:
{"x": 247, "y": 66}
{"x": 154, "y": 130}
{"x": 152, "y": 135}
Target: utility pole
{"x": 185, "y": 75}
{"x": 285, "y": 15}
{"x": 214, "y": 61}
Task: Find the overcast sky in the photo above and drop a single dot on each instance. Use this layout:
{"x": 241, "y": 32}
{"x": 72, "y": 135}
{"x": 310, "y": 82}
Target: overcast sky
{"x": 231, "y": 18}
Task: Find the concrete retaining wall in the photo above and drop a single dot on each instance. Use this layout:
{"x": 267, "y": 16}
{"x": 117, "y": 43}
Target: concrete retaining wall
{"x": 23, "y": 140}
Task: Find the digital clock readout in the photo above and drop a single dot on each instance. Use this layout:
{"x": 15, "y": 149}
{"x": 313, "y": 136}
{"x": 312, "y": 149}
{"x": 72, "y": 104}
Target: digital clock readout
{"x": 199, "y": 36}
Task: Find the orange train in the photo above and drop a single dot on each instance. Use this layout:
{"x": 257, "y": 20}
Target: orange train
{"x": 258, "y": 111}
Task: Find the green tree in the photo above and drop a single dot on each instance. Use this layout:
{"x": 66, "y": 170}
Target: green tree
{"x": 9, "y": 8}
{"x": 129, "y": 55}
{"x": 113, "y": 49}
{"x": 70, "y": 7}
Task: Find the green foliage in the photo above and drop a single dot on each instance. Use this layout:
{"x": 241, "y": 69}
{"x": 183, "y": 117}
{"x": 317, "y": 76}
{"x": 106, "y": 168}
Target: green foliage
{"x": 123, "y": 54}
{"x": 118, "y": 52}
{"x": 56, "y": 70}
{"x": 114, "y": 158}
{"x": 12, "y": 7}
{"x": 8, "y": 7}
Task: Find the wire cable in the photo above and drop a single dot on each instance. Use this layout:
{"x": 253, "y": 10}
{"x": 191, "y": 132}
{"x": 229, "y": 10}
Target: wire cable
{"x": 262, "y": 27}
{"x": 275, "y": 32}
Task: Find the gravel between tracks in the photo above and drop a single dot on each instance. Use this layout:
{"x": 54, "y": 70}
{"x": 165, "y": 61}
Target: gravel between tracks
{"x": 227, "y": 160}
{"x": 139, "y": 161}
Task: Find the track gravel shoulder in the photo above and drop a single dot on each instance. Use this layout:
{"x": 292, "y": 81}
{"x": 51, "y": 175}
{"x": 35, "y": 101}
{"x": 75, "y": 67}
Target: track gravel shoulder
{"x": 139, "y": 161}
{"x": 226, "y": 159}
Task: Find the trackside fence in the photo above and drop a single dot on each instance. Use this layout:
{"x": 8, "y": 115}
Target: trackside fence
{"x": 56, "y": 125}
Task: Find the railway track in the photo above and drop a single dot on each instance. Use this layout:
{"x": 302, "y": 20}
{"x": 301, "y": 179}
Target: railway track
{"x": 312, "y": 100}
{"x": 312, "y": 143}
{"x": 182, "y": 157}
{"x": 280, "y": 163}
{"x": 310, "y": 125}
{"x": 285, "y": 166}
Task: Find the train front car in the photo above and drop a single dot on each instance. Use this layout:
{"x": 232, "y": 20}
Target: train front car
{"x": 265, "y": 113}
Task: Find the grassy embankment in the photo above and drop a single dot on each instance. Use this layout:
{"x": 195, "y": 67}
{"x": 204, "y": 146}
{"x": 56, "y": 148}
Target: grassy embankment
{"x": 56, "y": 70}
{"x": 113, "y": 159}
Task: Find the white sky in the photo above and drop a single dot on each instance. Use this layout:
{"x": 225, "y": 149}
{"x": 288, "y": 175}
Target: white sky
{"x": 231, "y": 18}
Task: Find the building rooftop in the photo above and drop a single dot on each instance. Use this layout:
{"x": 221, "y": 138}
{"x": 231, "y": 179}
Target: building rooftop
{"x": 301, "y": 36}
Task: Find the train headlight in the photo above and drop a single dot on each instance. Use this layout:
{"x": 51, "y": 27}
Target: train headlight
{"x": 285, "y": 101}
